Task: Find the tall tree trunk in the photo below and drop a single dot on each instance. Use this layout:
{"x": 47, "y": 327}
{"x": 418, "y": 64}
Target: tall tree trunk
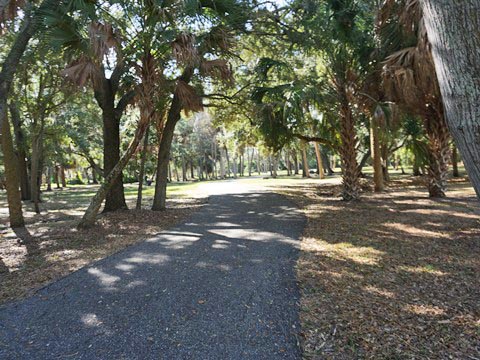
{"x": 63, "y": 178}
{"x": 184, "y": 169}
{"x": 305, "y": 168}
{"x": 375, "y": 151}
{"x": 321, "y": 174}
{"x": 222, "y": 164}
{"x": 49, "y": 178}
{"x": 115, "y": 199}
{"x": 452, "y": 27}
{"x": 348, "y": 153}
{"x": 288, "y": 164}
{"x": 160, "y": 198}
{"x": 56, "y": 176}
{"x": 438, "y": 154}
{"x": 228, "y": 159}
{"x": 21, "y": 152}
{"x": 11, "y": 175}
{"x": 35, "y": 167}
{"x": 385, "y": 162}
{"x": 295, "y": 162}
{"x": 143, "y": 159}
{"x": 88, "y": 219}
{"x": 456, "y": 174}
{"x": 258, "y": 163}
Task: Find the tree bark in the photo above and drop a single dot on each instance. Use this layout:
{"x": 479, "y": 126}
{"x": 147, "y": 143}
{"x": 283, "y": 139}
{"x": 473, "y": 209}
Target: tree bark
{"x": 88, "y": 219}
{"x": 142, "y": 171}
{"x": 452, "y": 27}
{"x": 438, "y": 154}
{"x": 348, "y": 153}
{"x": 160, "y": 198}
{"x": 375, "y": 151}
{"x": 21, "y": 152}
{"x": 456, "y": 173}
{"x": 305, "y": 168}
{"x": 11, "y": 175}
{"x": 321, "y": 174}
{"x": 115, "y": 198}
{"x": 295, "y": 162}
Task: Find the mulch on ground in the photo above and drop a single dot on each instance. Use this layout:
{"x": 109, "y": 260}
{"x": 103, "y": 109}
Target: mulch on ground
{"x": 393, "y": 276}
{"x": 51, "y": 247}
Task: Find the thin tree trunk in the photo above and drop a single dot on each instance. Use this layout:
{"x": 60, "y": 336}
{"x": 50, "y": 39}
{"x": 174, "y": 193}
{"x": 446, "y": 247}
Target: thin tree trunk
{"x": 88, "y": 219}
{"x": 321, "y": 174}
{"x": 258, "y": 163}
{"x": 375, "y": 150}
{"x": 288, "y": 164}
{"x": 63, "y": 177}
{"x": 57, "y": 176}
{"x": 11, "y": 175}
{"x": 143, "y": 159}
{"x": 295, "y": 162}
{"x": 160, "y": 198}
{"x": 228, "y": 160}
{"x": 456, "y": 173}
{"x": 452, "y": 28}
{"x": 21, "y": 152}
{"x": 222, "y": 164}
{"x": 35, "y": 167}
{"x": 49, "y": 178}
{"x": 305, "y": 168}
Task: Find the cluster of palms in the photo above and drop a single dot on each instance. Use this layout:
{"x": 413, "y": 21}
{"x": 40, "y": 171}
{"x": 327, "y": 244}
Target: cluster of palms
{"x": 358, "y": 78}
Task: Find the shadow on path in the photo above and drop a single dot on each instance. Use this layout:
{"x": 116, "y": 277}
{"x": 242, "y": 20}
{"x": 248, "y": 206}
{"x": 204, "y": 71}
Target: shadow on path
{"x": 220, "y": 286}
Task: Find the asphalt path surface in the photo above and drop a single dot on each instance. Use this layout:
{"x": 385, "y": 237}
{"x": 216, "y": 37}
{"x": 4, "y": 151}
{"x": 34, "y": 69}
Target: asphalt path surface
{"x": 219, "y": 286}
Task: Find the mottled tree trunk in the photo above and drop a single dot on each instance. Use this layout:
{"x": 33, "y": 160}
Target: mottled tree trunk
{"x": 11, "y": 175}
{"x": 48, "y": 175}
{"x": 452, "y": 27}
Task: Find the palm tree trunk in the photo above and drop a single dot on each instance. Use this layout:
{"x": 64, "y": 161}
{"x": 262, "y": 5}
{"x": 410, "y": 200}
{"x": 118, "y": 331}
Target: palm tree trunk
{"x": 452, "y": 27}
{"x": 439, "y": 155}
{"x": 143, "y": 159}
{"x": 11, "y": 175}
{"x": 348, "y": 153}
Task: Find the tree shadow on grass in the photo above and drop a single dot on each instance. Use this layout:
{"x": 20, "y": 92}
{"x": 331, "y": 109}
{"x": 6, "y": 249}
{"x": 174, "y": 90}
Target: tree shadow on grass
{"x": 392, "y": 276}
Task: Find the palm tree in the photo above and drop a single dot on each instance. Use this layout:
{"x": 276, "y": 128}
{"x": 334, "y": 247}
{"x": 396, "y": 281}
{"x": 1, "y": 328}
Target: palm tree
{"x": 410, "y": 81}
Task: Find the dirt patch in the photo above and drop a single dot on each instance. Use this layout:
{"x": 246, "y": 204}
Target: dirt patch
{"x": 51, "y": 247}
{"x": 394, "y": 276}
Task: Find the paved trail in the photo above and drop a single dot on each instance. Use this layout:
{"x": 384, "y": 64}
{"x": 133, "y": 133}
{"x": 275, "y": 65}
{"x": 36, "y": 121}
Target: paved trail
{"x": 220, "y": 286}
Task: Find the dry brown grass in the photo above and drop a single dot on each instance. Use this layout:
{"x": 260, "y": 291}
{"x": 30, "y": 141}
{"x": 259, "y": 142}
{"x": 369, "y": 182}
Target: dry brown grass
{"x": 51, "y": 247}
{"x": 394, "y": 276}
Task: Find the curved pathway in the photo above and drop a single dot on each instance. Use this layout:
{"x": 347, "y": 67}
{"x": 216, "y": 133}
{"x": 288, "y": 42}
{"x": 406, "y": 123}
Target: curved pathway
{"x": 220, "y": 286}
